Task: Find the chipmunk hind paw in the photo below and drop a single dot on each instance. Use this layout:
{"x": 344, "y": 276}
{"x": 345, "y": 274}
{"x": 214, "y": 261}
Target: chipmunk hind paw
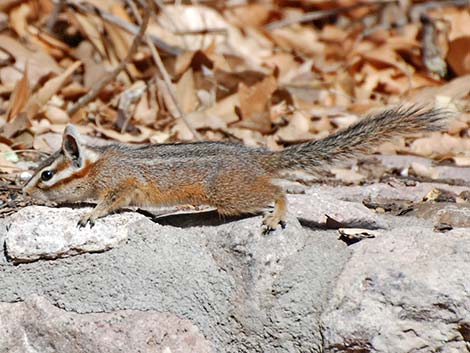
{"x": 271, "y": 221}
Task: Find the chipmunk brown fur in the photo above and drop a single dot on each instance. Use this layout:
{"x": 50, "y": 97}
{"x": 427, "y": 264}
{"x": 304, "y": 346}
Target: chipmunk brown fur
{"x": 231, "y": 177}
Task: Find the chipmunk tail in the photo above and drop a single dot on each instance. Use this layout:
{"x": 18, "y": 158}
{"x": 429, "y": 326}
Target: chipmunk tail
{"x": 360, "y": 138}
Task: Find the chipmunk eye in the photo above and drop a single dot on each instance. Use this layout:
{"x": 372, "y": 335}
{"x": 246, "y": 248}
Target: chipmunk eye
{"x": 46, "y": 175}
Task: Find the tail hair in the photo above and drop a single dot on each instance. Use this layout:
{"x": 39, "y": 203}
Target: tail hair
{"x": 361, "y": 137}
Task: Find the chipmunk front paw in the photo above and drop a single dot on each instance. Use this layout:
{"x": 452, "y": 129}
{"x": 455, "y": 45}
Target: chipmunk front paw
{"x": 270, "y": 222}
{"x": 85, "y": 219}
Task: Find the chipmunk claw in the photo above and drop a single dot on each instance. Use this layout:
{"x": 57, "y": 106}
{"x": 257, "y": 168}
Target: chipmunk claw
{"x": 271, "y": 221}
{"x": 267, "y": 230}
{"x": 84, "y": 221}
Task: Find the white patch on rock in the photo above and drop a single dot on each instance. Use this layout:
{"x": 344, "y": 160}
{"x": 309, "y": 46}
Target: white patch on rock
{"x": 38, "y": 232}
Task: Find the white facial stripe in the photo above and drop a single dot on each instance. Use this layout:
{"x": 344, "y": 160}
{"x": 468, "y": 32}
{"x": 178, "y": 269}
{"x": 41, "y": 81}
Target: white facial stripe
{"x": 35, "y": 180}
{"x": 89, "y": 155}
{"x": 51, "y": 166}
{"x": 67, "y": 172}
{"x": 55, "y": 177}
{"x": 63, "y": 174}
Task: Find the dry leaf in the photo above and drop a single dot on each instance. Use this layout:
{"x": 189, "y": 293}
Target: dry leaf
{"x": 424, "y": 170}
{"x": 92, "y": 27}
{"x": 462, "y": 161}
{"x": 40, "y": 63}
{"x": 48, "y": 142}
{"x": 458, "y": 55}
{"x": 254, "y": 101}
{"x": 455, "y": 89}
{"x": 167, "y": 98}
{"x": 348, "y": 175}
{"x": 298, "y": 129}
{"x": 19, "y": 19}
{"x": 438, "y": 144}
{"x": 121, "y": 40}
{"x": 19, "y": 97}
{"x": 186, "y": 93}
{"x": 56, "y": 115}
{"x": 143, "y": 136}
{"x": 51, "y": 87}
{"x": 146, "y": 111}
{"x": 218, "y": 116}
{"x": 13, "y": 128}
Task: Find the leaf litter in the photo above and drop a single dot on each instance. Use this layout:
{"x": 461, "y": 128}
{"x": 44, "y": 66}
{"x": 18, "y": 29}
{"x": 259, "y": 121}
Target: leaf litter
{"x": 270, "y": 73}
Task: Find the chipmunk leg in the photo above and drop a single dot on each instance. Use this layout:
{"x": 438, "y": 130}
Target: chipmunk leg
{"x": 111, "y": 201}
{"x": 250, "y": 195}
{"x": 278, "y": 216}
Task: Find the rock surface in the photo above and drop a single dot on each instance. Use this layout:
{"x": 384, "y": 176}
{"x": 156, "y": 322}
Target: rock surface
{"x": 313, "y": 209}
{"x": 37, "y": 326}
{"x": 416, "y": 300}
{"x": 37, "y": 233}
{"x": 236, "y": 290}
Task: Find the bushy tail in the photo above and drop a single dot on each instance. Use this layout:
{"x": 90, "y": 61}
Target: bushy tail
{"x": 359, "y": 138}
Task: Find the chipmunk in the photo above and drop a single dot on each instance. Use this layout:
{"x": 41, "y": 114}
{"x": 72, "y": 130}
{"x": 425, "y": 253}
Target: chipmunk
{"x": 234, "y": 178}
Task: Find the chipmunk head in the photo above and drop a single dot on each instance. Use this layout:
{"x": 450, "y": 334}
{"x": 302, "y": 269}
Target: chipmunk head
{"x": 62, "y": 176}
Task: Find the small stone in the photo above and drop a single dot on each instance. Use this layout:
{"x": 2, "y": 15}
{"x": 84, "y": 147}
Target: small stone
{"x": 38, "y": 232}
{"x": 316, "y": 208}
{"x": 455, "y": 215}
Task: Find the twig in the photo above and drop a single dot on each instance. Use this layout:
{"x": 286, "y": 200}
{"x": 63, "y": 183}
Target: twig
{"x": 221, "y": 31}
{"x": 28, "y": 150}
{"x": 316, "y": 15}
{"x": 3, "y": 166}
{"x": 420, "y": 8}
{"x": 128, "y": 27}
{"x": 310, "y": 16}
{"x": 54, "y": 15}
{"x": 432, "y": 55}
{"x": 112, "y": 75}
{"x": 166, "y": 77}
{"x": 7, "y": 187}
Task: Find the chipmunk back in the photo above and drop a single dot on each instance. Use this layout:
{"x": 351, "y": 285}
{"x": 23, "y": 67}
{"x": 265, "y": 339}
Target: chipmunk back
{"x": 231, "y": 177}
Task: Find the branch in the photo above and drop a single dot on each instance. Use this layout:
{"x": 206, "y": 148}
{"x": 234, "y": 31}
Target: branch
{"x": 87, "y": 98}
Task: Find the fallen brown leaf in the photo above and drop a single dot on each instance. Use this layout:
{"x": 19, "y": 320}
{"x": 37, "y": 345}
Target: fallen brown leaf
{"x": 19, "y": 97}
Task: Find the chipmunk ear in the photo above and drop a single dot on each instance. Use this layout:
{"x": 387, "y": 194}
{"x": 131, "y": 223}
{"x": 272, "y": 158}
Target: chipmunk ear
{"x": 71, "y": 145}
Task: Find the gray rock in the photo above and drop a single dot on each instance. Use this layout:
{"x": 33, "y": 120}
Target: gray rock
{"x": 158, "y": 268}
{"x": 37, "y": 326}
{"x": 282, "y": 284}
{"x": 39, "y": 232}
{"x": 295, "y": 290}
{"x": 314, "y": 206}
{"x": 450, "y": 173}
{"x": 224, "y": 278}
{"x": 384, "y": 191}
{"x": 406, "y": 291}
